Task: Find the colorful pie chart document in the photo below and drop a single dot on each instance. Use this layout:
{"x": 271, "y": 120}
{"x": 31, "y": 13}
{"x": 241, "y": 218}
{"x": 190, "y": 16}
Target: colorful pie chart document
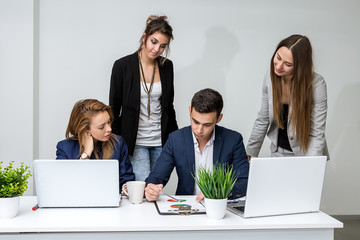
{"x": 185, "y": 205}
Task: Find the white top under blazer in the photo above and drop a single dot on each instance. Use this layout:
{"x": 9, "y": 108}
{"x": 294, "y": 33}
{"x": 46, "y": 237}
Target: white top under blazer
{"x": 149, "y": 131}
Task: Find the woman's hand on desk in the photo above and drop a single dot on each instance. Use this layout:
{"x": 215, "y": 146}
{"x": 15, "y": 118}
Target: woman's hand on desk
{"x": 123, "y": 192}
{"x": 152, "y": 191}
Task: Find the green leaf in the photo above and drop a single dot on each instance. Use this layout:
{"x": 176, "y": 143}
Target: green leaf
{"x": 218, "y": 183}
{"x": 13, "y": 181}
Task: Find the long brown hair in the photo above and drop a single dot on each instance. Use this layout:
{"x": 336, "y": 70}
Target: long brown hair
{"x": 300, "y": 88}
{"x": 157, "y": 24}
{"x": 80, "y": 120}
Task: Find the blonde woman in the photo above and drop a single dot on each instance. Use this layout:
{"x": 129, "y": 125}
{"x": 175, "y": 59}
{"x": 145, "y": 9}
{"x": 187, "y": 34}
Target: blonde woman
{"x": 88, "y": 136}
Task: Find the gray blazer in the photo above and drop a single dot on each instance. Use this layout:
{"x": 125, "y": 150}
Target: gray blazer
{"x": 265, "y": 124}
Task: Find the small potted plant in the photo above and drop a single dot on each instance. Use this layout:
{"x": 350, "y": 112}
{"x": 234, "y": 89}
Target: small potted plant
{"x": 216, "y": 185}
{"x": 13, "y": 184}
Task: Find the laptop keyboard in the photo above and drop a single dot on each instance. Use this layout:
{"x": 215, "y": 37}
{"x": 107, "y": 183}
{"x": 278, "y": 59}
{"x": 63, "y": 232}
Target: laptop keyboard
{"x": 240, "y": 208}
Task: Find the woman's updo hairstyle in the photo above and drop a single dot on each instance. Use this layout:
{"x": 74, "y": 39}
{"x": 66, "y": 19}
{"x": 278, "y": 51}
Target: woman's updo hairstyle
{"x": 155, "y": 24}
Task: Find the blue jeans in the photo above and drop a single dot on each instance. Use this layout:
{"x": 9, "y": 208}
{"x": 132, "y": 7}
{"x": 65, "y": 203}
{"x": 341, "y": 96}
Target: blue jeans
{"x": 143, "y": 160}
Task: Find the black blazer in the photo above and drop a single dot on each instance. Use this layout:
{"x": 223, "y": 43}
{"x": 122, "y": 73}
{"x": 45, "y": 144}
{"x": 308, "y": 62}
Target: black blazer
{"x": 124, "y": 99}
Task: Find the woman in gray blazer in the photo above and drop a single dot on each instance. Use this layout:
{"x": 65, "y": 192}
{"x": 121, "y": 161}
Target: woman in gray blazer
{"x": 294, "y": 104}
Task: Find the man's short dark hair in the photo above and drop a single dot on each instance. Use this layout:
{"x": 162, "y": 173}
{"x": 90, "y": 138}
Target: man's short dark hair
{"x": 207, "y": 101}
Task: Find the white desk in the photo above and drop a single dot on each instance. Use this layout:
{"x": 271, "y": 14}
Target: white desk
{"x": 143, "y": 222}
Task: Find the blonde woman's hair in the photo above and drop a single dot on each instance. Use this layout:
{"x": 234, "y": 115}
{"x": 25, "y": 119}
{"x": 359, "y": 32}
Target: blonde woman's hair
{"x": 80, "y": 120}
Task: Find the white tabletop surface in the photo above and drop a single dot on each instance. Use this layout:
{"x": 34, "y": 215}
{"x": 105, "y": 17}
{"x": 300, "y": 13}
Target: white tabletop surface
{"x": 144, "y": 217}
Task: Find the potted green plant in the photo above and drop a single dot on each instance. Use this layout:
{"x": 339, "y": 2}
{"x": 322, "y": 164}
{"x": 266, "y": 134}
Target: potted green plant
{"x": 13, "y": 184}
{"x": 216, "y": 185}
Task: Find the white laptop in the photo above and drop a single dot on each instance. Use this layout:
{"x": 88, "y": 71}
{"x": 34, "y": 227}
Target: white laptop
{"x": 77, "y": 183}
{"x": 282, "y": 185}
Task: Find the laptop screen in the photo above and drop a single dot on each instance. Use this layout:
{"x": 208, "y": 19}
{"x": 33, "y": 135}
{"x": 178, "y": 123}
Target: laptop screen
{"x": 284, "y": 185}
{"x": 77, "y": 183}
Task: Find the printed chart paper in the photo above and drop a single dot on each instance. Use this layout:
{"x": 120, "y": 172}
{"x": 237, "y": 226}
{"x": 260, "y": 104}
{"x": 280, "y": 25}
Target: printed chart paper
{"x": 169, "y": 206}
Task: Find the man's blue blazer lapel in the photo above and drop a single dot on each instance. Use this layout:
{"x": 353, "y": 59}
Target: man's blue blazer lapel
{"x": 189, "y": 145}
{"x": 190, "y": 153}
{"x": 217, "y": 144}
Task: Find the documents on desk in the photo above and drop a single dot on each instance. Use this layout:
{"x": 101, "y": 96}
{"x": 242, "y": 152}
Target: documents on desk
{"x": 184, "y": 205}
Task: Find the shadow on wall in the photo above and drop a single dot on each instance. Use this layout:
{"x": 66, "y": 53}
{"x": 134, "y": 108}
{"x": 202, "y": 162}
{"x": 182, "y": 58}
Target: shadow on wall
{"x": 207, "y": 72}
{"x": 343, "y": 130}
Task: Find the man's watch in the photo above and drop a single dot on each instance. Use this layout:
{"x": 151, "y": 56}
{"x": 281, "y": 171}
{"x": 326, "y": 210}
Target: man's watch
{"x": 84, "y": 155}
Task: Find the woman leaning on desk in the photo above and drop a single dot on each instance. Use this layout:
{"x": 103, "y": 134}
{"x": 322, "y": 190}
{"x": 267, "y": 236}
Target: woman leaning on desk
{"x": 294, "y": 104}
{"x": 88, "y": 136}
{"x": 142, "y": 95}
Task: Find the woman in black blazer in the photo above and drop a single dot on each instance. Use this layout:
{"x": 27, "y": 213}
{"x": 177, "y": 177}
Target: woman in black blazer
{"x": 142, "y": 95}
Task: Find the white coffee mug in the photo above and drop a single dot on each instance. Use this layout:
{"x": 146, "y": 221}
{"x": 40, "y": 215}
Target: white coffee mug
{"x": 135, "y": 191}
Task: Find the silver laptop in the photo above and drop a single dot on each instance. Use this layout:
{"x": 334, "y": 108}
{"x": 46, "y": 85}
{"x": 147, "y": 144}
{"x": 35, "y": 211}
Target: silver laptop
{"x": 283, "y": 185}
{"x": 77, "y": 183}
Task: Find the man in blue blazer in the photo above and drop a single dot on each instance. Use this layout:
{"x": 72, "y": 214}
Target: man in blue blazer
{"x": 202, "y": 144}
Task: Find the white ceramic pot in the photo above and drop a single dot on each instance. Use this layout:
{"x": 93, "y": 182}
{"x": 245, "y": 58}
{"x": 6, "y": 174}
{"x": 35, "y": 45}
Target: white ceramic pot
{"x": 9, "y": 207}
{"x": 215, "y": 208}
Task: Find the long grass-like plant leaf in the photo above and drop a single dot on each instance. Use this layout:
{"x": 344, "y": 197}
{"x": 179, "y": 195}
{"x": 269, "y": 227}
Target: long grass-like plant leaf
{"x": 218, "y": 183}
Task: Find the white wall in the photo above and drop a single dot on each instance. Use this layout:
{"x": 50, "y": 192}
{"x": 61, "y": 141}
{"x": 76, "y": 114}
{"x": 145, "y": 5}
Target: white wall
{"x": 16, "y": 78}
{"x": 225, "y": 45}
